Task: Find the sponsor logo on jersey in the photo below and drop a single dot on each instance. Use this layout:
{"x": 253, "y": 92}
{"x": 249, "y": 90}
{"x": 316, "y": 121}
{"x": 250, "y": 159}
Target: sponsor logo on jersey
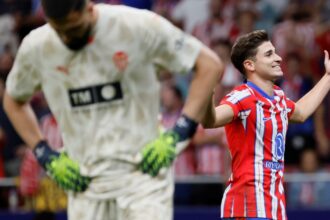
{"x": 279, "y": 146}
{"x": 266, "y": 119}
{"x": 120, "y": 59}
{"x": 273, "y": 165}
{"x": 101, "y": 93}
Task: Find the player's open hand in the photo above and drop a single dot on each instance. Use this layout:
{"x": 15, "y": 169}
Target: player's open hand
{"x": 63, "y": 170}
{"x": 159, "y": 153}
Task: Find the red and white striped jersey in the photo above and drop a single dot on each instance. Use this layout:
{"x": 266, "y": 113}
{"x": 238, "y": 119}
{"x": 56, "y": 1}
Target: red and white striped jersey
{"x": 256, "y": 139}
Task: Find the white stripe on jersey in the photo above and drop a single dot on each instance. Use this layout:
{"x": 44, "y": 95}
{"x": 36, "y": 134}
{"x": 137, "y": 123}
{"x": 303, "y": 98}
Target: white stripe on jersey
{"x": 285, "y": 120}
{"x": 237, "y": 96}
{"x": 273, "y": 172}
{"x": 283, "y": 209}
{"x": 224, "y": 200}
{"x": 243, "y": 116}
{"x": 281, "y": 190}
{"x": 258, "y": 160}
{"x": 280, "y": 187}
{"x": 278, "y": 93}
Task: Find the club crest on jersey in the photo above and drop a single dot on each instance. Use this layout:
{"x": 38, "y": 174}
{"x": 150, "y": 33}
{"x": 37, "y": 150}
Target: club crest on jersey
{"x": 101, "y": 93}
{"x": 120, "y": 59}
{"x": 63, "y": 69}
{"x": 279, "y": 146}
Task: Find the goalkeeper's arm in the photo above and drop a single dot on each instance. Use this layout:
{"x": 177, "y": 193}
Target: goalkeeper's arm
{"x": 62, "y": 169}
{"x": 162, "y": 151}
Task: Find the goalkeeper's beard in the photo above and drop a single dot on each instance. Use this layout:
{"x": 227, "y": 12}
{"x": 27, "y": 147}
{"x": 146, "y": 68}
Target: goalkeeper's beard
{"x": 78, "y": 43}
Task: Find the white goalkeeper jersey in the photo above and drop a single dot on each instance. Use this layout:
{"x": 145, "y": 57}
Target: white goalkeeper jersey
{"x": 105, "y": 97}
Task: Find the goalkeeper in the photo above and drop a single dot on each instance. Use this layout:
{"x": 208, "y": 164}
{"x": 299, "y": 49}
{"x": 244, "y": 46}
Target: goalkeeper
{"x": 96, "y": 65}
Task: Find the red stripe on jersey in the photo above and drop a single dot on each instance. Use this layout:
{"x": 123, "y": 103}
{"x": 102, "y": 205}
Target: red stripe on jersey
{"x": 239, "y": 202}
{"x": 228, "y": 203}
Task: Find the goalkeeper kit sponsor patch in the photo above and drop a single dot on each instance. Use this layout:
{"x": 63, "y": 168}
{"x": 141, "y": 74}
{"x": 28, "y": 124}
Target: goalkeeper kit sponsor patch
{"x": 101, "y": 93}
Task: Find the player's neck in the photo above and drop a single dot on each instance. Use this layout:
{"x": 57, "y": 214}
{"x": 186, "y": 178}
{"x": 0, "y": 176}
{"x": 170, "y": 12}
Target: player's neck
{"x": 265, "y": 85}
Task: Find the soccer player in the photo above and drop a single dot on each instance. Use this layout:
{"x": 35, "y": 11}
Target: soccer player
{"x": 256, "y": 115}
{"x": 96, "y": 65}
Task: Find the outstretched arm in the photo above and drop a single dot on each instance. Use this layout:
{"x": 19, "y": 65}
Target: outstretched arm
{"x": 309, "y": 102}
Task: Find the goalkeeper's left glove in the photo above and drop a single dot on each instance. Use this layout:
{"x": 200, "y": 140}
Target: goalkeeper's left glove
{"x": 162, "y": 151}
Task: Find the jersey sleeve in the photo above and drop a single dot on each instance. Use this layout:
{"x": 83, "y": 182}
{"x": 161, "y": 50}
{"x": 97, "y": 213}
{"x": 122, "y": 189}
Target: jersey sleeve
{"x": 23, "y": 79}
{"x": 167, "y": 45}
{"x": 290, "y": 105}
{"x": 235, "y": 100}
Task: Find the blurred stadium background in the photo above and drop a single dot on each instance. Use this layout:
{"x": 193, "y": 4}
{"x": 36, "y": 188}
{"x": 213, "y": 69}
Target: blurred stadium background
{"x": 300, "y": 31}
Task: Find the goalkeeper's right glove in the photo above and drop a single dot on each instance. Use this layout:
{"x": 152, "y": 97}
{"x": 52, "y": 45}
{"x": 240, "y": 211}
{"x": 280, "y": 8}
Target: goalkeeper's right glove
{"x": 63, "y": 170}
{"x": 161, "y": 152}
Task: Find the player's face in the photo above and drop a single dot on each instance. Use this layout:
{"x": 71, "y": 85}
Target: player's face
{"x": 267, "y": 62}
{"x": 75, "y": 29}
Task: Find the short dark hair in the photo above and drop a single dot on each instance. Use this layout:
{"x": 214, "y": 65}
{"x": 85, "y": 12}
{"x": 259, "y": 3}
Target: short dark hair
{"x": 59, "y": 9}
{"x": 246, "y": 47}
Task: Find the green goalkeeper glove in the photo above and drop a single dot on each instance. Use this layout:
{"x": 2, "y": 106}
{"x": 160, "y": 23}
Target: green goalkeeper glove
{"x": 159, "y": 153}
{"x": 63, "y": 170}
{"x": 162, "y": 151}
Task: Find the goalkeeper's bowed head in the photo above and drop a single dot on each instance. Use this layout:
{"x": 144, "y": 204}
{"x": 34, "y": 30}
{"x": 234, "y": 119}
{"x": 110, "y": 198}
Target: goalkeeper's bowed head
{"x": 161, "y": 152}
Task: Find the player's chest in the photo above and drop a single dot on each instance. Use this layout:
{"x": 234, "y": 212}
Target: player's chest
{"x": 94, "y": 64}
{"x": 269, "y": 115}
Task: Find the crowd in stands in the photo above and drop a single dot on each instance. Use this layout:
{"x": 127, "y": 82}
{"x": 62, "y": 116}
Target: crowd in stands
{"x": 300, "y": 31}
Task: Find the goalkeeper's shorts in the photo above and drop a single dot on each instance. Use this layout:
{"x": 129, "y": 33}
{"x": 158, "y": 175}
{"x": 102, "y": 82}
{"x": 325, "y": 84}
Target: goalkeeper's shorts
{"x": 141, "y": 204}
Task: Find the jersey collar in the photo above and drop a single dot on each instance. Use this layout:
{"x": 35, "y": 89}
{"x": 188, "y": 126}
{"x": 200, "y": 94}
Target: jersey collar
{"x": 259, "y": 90}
